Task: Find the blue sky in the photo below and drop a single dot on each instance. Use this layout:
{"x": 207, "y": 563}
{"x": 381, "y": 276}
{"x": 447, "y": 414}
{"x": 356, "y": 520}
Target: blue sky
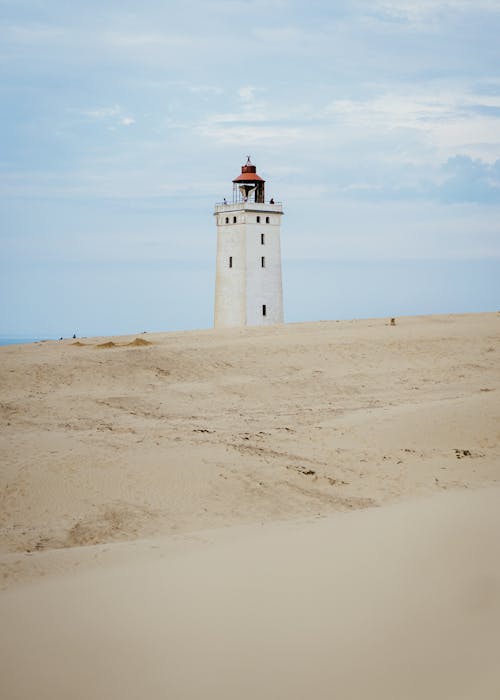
{"x": 376, "y": 123}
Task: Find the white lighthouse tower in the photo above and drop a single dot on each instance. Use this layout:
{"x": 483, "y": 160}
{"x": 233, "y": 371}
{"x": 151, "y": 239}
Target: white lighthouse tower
{"x": 248, "y": 288}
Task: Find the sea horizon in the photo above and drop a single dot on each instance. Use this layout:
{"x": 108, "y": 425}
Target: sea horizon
{"x": 12, "y": 340}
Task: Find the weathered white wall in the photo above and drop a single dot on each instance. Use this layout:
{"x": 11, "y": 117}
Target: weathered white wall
{"x": 241, "y": 291}
{"x": 263, "y": 284}
{"x": 230, "y": 291}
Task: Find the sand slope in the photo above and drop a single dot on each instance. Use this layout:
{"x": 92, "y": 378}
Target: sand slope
{"x": 309, "y": 510}
{"x": 109, "y": 440}
{"x": 385, "y": 603}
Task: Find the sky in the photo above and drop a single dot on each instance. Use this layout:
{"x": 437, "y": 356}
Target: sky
{"x": 376, "y": 123}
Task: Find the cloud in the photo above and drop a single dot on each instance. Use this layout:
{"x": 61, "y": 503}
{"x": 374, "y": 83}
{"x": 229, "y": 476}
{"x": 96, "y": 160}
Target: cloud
{"x": 417, "y": 12}
{"x": 131, "y": 40}
{"x": 247, "y": 93}
{"x": 370, "y": 230}
{"x": 102, "y": 112}
{"x": 229, "y": 127}
{"x": 461, "y": 179}
{"x": 112, "y": 116}
{"x": 281, "y": 35}
{"x": 445, "y": 120}
{"x": 204, "y": 89}
{"x": 33, "y": 34}
{"x": 237, "y": 133}
{"x": 427, "y": 125}
{"x": 470, "y": 180}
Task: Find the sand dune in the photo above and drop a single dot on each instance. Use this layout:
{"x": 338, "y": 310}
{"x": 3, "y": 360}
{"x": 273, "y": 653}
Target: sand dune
{"x": 210, "y": 428}
{"x": 386, "y": 603}
{"x": 186, "y": 501}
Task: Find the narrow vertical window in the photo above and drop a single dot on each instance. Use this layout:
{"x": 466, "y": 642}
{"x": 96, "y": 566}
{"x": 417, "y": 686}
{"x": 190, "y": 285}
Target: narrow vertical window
{"x": 262, "y": 239}
{"x": 258, "y": 219}
{"x": 227, "y": 219}
{"x": 262, "y": 261}
{"x": 234, "y": 219}
{"x": 230, "y": 261}
{"x": 264, "y": 310}
{"x": 267, "y": 219}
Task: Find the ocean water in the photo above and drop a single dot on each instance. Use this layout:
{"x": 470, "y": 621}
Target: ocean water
{"x": 19, "y": 341}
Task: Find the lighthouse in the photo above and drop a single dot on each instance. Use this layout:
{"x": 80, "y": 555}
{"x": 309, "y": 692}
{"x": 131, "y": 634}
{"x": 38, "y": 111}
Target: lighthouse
{"x": 248, "y": 287}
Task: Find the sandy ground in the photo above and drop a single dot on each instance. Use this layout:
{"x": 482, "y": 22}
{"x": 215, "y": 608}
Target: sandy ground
{"x": 394, "y": 602}
{"x": 125, "y": 461}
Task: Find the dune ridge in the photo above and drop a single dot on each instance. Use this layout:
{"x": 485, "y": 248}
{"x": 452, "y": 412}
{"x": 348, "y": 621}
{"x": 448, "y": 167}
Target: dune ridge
{"x": 384, "y": 603}
{"x": 306, "y": 510}
{"x": 204, "y": 429}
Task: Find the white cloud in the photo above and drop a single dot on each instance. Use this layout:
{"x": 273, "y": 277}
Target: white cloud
{"x": 229, "y": 118}
{"x": 127, "y": 39}
{"x": 419, "y": 11}
{"x": 112, "y": 116}
{"x": 227, "y": 127}
{"x": 477, "y": 137}
{"x": 403, "y": 231}
{"x": 204, "y": 89}
{"x": 448, "y": 121}
{"x": 33, "y": 33}
{"x": 103, "y": 112}
{"x": 433, "y": 124}
{"x": 247, "y": 134}
{"x": 247, "y": 93}
{"x": 280, "y": 35}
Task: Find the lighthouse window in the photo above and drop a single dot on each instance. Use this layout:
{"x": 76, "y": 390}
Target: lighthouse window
{"x": 227, "y": 219}
{"x": 234, "y": 219}
{"x": 258, "y": 219}
{"x": 264, "y": 310}
{"x": 262, "y": 261}
{"x": 267, "y": 219}
{"x": 230, "y": 261}
{"x": 262, "y": 239}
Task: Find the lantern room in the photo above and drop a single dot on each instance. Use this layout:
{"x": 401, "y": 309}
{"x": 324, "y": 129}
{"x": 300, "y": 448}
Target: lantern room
{"x": 248, "y": 187}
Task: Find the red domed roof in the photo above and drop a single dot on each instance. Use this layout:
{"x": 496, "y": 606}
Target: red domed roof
{"x": 248, "y": 177}
{"x": 248, "y": 173}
